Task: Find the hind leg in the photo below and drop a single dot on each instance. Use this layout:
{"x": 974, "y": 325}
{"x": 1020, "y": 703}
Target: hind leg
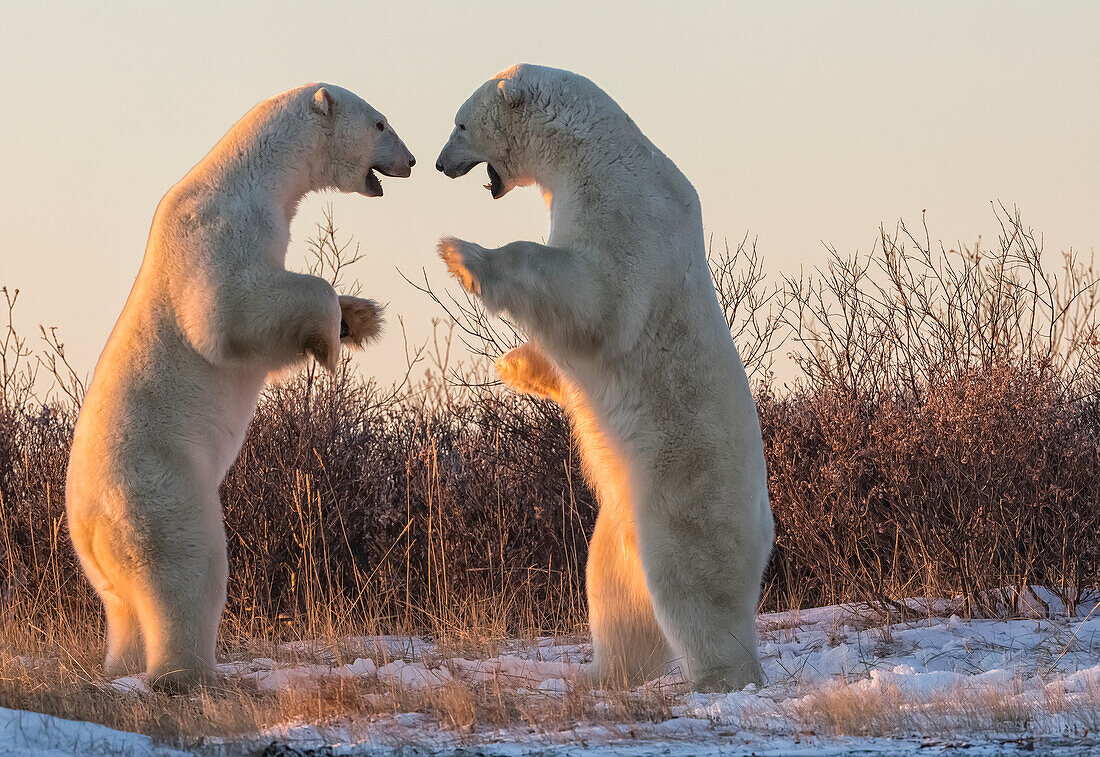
{"x": 125, "y": 651}
{"x": 628, "y": 645}
{"x": 705, "y": 582}
{"x": 182, "y": 607}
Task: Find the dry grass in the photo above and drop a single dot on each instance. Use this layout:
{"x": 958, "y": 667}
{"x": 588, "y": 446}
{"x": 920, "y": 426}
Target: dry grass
{"x": 59, "y": 675}
{"x": 850, "y": 709}
{"x": 846, "y": 709}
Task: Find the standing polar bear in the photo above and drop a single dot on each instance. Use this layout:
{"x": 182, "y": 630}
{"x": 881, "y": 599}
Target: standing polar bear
{"x": 629, "y": 337}
{"x": 212, "y": 312}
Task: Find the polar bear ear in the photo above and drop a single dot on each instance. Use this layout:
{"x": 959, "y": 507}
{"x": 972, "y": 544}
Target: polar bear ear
{"x": 511, "y": 91}
{"x": 322, "y": 102}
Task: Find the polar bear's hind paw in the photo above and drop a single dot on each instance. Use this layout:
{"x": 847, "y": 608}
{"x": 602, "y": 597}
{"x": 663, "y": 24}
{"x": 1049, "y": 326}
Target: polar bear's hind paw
{"x": 185, "y": 681}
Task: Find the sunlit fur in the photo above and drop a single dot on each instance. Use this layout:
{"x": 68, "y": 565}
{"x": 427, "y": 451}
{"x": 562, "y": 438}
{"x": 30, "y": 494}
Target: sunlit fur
{"x": 211, "y": 314}
{"x": 621, "y": 304}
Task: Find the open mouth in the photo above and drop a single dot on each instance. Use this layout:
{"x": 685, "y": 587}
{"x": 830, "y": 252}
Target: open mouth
{"x": 373, "y": 186}
{"x": 495, "y": 185}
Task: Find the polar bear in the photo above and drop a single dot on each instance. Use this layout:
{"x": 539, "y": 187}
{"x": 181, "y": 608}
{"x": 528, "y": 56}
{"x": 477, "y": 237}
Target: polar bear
{"x": 628, "y": 335}
{"x": 212, "y": 312}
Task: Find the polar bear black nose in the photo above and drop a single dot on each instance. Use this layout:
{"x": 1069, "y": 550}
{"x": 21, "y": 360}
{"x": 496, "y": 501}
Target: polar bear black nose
{"x": 412, "y": 162}
{"x": 439, "y": 166}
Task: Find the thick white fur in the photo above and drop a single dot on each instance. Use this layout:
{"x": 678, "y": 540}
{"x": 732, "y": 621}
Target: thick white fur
{"x": 212, "y": 312}
{"x": 629, "y": 337}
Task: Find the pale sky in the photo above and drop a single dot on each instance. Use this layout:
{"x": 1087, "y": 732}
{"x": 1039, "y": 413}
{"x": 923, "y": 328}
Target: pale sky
{"x": 797, "y": 122}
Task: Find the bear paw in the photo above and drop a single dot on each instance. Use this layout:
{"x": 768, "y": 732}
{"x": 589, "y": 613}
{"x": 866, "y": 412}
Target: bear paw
{"x": 527, "y": 370}
{"x": 462, "y": 259}
{"x": 360, "y": 320}
{"x": 183, "y": 681}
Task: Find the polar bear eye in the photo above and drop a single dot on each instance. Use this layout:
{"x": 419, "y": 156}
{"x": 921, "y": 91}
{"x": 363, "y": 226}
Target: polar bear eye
{"x": 381, "y": 126}
{"x": 462, "y": 127}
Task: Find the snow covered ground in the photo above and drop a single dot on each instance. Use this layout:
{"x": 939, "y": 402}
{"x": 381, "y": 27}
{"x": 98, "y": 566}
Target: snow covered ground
{"x": 837, "y": 683}
{"x": 33, "y": 734}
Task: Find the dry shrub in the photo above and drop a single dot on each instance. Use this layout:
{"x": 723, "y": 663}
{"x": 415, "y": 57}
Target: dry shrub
{"x": 990, "y": 481}
{"x": 385, "y": 510}
{"x": 943, "y": 437}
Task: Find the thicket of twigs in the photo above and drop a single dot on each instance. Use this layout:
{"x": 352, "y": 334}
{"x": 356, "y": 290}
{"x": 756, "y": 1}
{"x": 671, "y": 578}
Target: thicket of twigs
{"x": 940, "y": 437}
{"x": 944, "y": 436}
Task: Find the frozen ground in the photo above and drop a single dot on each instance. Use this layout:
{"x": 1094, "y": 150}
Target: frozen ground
{"x": 837, "y": 683}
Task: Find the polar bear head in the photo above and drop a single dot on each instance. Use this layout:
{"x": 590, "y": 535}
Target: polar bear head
{"x": 358, "y": 141}
{"x": 525, "y": 124}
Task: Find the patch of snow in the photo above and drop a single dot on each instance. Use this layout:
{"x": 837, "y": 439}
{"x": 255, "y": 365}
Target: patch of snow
{"x": 555, "y": 686}
{"x": 283, "y": 679}
{"x": 362, "y": 667}
{"x": 130, "y": 684}
{"x": 414, "y": 675}
{"x": 32, "y": 734}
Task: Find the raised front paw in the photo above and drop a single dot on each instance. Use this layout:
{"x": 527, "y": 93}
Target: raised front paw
{"x": 464, "y": 261}
{"x": 527, "y": 370}
{"x": 360, "y": 320}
